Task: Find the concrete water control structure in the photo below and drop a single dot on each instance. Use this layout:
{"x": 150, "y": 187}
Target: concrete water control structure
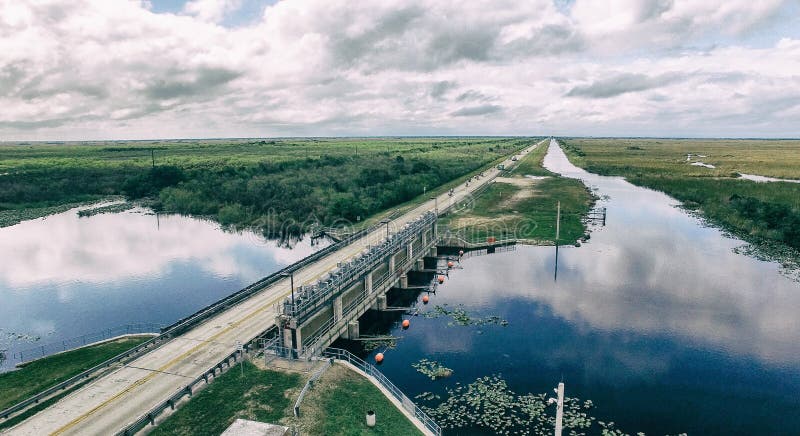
{"x": 328, "y": 309}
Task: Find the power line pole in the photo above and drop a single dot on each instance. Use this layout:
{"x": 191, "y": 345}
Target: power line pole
{"x": 559, "y": 402}
{"x": 558, "y": 221}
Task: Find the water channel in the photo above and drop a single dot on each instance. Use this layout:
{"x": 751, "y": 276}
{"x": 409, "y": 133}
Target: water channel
{"x": 65, "y": 276}
{"x": 655, "y": 319}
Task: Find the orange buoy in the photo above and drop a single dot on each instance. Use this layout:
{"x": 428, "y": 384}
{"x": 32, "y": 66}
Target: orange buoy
{"x": 450, "y": 264}
{"x": 441, "y": 279}
{"x": 425, "y": 299}
{"x": 406, "y": 323}
{"x": 379, "y": 357}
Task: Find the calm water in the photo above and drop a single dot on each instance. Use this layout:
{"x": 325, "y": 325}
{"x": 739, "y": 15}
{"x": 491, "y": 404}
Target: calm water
{"x": 64, "y": 276}
{"x": 655, "y": 319}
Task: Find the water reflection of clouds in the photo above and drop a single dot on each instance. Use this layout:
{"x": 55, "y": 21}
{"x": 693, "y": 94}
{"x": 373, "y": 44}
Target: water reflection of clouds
{"x": 653, "y": 271}
{"x": 63, "y": 249}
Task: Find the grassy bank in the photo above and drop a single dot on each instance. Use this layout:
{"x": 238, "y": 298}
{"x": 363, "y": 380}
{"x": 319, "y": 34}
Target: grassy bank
{"x": 336, "y": 405}
{"x": 259, "y": 395}
{"x": 40, "y": 374}
{"x": 339, "y": 401}
{"x": 517, "y": 206}
{"x": 279, "y": 186}
{"x": 765, "y": 214}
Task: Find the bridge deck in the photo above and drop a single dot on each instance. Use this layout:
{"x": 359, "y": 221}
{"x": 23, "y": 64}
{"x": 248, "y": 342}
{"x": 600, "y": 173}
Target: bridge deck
{"x": 109, "y": 403}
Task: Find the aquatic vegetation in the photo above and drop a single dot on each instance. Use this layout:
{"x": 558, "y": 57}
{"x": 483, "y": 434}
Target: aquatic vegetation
{"x": 19, "y": 337}
{"x": 461, "y": 317}
{"x": 427, "y": 396}
{"x": 488, "y": 403}
{"x": 432, "y": 369}
{"x": 110, "y": 208}
{"x": 372, "y": 345}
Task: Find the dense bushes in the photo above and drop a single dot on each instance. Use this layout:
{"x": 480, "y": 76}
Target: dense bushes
{"x": 279, "y": 186}
{"x": 779, "y": 219}
{"x": 322, "y": 190}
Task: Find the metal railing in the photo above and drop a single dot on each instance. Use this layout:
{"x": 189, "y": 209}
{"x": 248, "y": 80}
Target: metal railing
{"x": 346, "y": 356}
{"x": 314, "y": 377}
{"x": 309, "y": 298}
{"x": 40, "y": 351}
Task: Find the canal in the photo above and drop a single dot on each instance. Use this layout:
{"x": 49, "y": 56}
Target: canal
{"x": 65, "y": 276}
{"x": 656, "y": 320}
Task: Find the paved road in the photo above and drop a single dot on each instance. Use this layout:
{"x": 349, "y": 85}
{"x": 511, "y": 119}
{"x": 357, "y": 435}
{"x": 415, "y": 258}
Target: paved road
{"x": 107, "y": 404}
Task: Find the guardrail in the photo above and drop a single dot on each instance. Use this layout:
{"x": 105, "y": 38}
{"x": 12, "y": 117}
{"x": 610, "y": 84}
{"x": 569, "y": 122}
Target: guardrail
{"x": 314, "y": 377}
{"x": 309, "y": 298}
{"x": 123, "y": 357}
{"x": 150, "y": 417}
{"x": 182, "y": 325}
{"x": 34, "y": 353}
{"x": 344, "y": 355}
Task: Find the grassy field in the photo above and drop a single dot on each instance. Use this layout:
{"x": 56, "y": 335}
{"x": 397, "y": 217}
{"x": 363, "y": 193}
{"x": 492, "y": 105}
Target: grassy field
{"x": 279, "y": 186}
{"x": 43, "y": 373}
{"x": 765, "y": 214}
{"x": 338, "y": 404}
{"x": 516, "y": 206}
{"x": 259, "y": 395}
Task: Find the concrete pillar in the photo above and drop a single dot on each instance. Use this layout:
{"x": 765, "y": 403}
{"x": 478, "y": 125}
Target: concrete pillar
{"x": 337, "y": 309}
{"x": 368, "y": 283}
{"x": 420, "y": 264}
{"x": 287, "y": 338}
{"x": 381, "y": 301}
{"x": 352, "y": 330}
{"x": 391, "y": 263}
{"x": 404, "y": 281}
{"x": 410, "y": 250}
{"x": 299, "y": 341}
{"x": 434, "y": 251}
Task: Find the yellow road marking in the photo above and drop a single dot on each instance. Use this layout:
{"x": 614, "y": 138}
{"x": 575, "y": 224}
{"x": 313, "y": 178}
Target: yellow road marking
{"x": 164, "y": 367}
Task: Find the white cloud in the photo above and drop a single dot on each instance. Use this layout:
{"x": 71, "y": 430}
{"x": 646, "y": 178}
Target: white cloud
{"x": 211, "y": 10}
{"x": 88, "y": 69}
{"x": 99, "y": 250}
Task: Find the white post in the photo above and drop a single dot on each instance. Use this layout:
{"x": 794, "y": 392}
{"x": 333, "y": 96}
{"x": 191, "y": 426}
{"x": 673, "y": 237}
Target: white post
{"x": 559, "y": 409}
{"x": 558, "y": 221}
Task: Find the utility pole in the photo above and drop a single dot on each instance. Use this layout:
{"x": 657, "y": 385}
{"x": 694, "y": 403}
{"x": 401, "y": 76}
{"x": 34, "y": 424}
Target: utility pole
{"x": 153, "y": 157}
{"x": 558, "y": 221}
{"x": 559, "y": 402}
{"x": 291, "y": 285}
{"x": 560, "y": 409}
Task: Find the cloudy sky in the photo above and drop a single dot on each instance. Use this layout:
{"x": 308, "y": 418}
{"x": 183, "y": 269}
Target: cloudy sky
{"x": 117, "y": 69}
